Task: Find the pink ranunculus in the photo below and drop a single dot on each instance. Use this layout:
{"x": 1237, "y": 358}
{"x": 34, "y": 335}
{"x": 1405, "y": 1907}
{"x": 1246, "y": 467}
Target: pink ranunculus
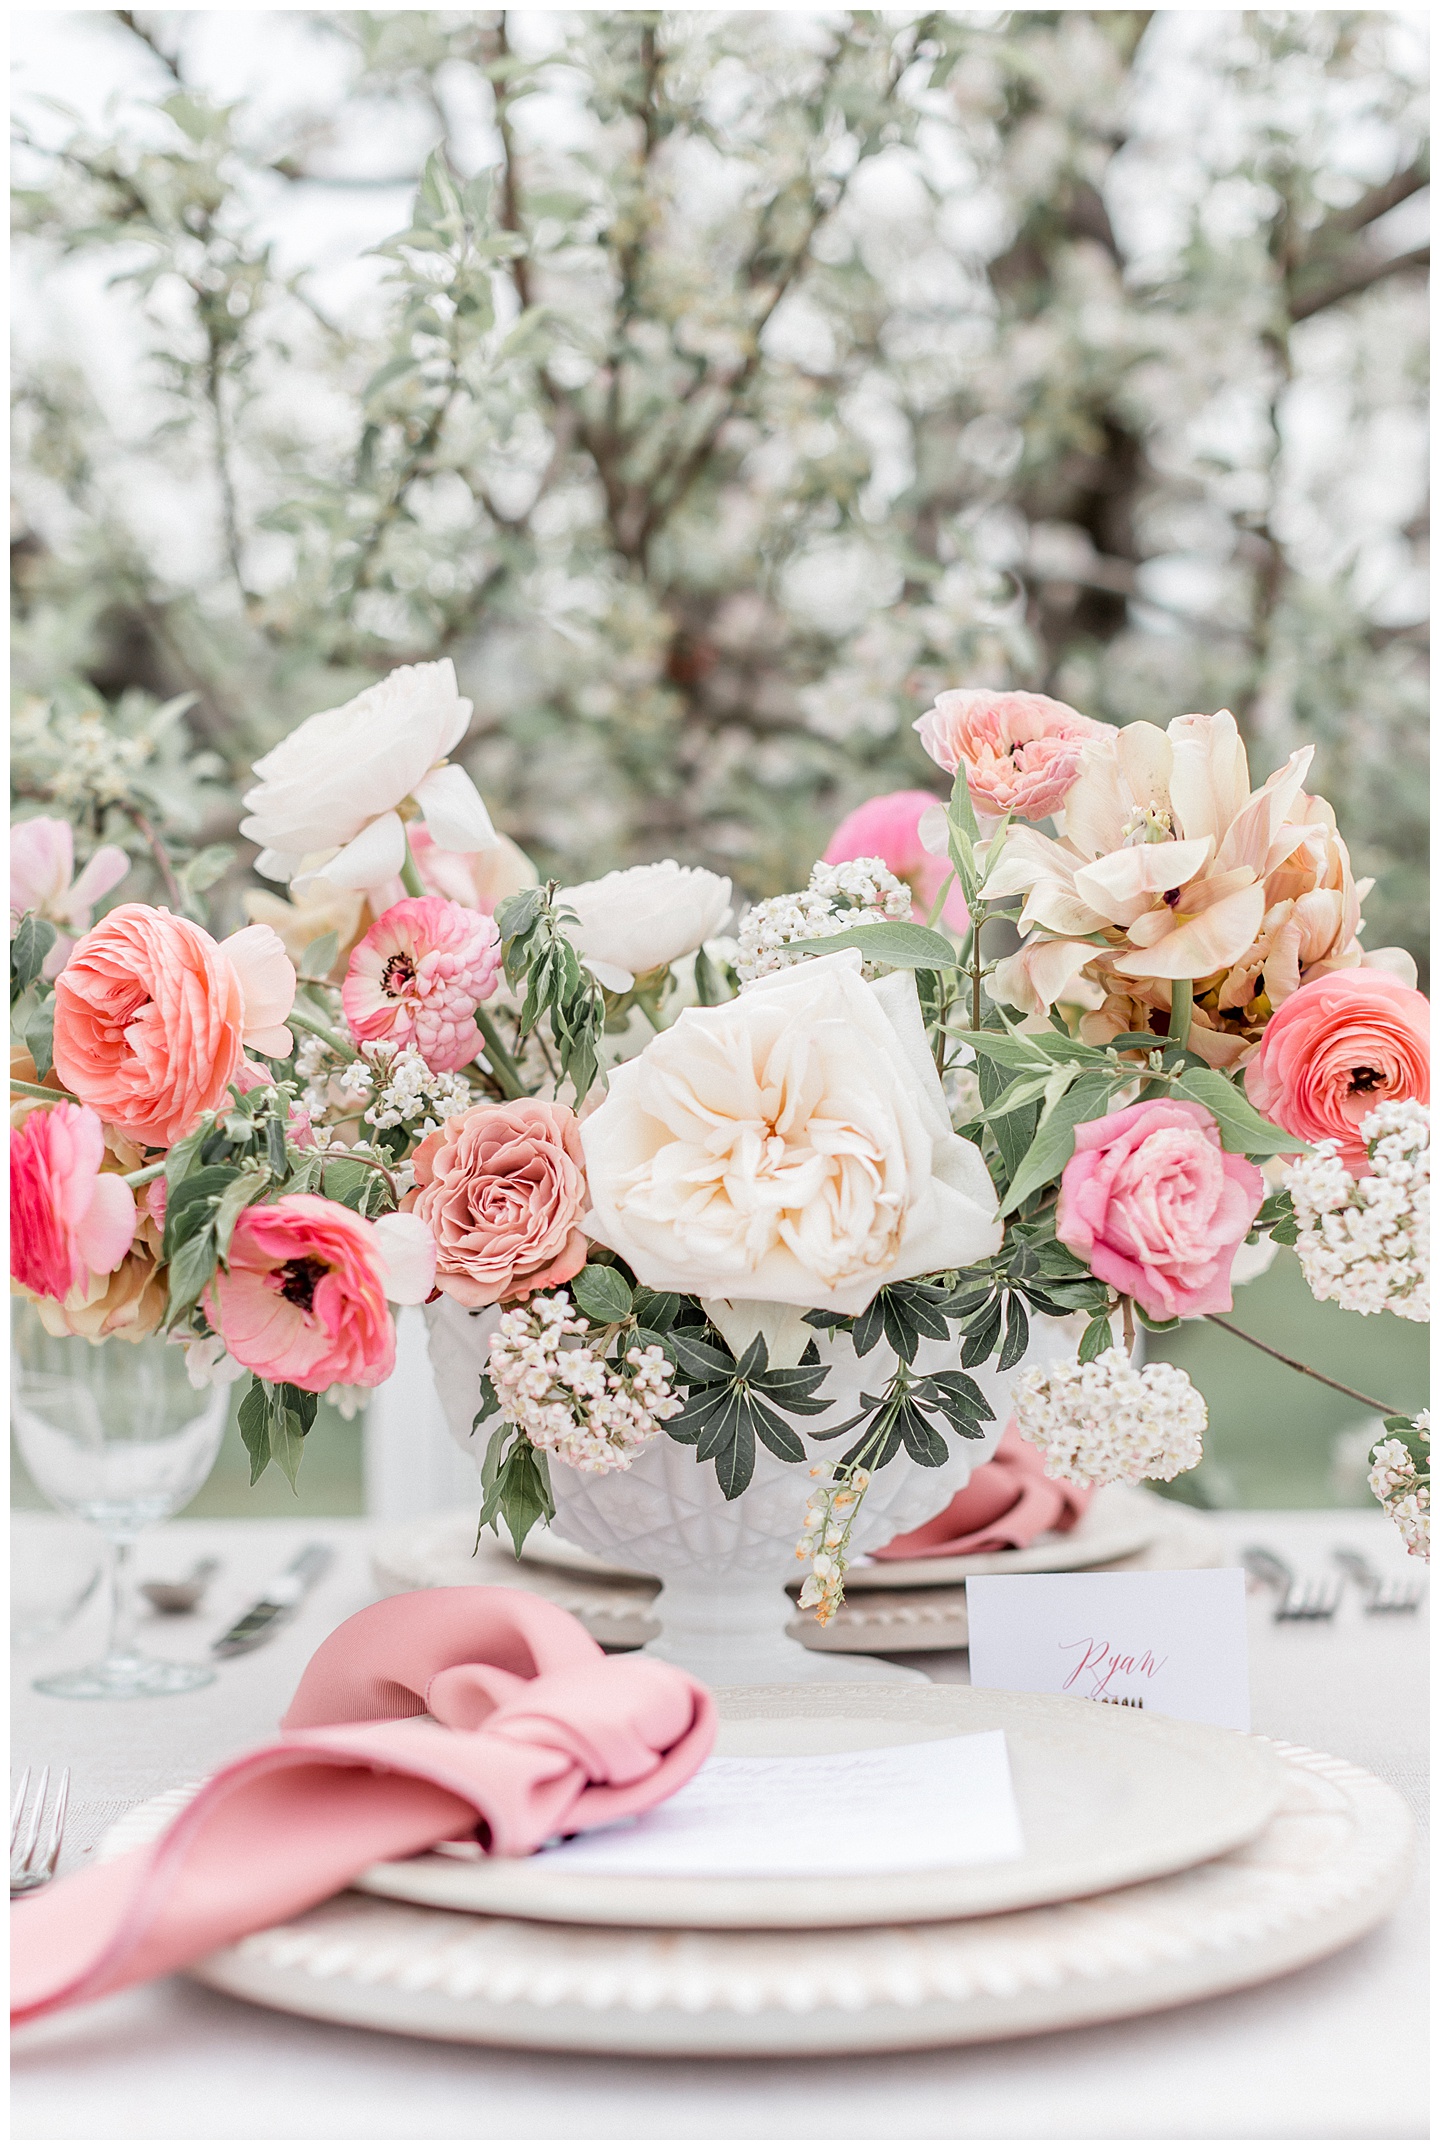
{"x": 1020, "y": 751}
{"x": 1153, "y": 1205}
{"x": 502, "y": 1187}
{"x": 43, "y": 879}
{"x": 68, "y": 1219}
{"x": 888, "y": 828}
{"x": 302, "y": 1296}
{"x": 418, "y": 976}
{"x": 152, "y": 1016}
{"x": 1343, "y": 1044}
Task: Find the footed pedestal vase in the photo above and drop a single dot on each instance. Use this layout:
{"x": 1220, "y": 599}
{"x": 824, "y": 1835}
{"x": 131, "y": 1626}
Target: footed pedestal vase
{"x": 724, "y": 1564}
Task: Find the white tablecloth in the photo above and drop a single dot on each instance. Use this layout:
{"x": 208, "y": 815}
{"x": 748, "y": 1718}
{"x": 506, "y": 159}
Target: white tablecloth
{"x": 1334, "y": 2052}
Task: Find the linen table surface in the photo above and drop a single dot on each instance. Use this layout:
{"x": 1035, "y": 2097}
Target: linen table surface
{"x": 1334, "y": 2052}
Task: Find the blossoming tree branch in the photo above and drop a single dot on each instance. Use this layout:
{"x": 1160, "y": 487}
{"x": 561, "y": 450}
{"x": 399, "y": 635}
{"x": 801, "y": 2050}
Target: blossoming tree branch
{"x": 672, "y": 1170}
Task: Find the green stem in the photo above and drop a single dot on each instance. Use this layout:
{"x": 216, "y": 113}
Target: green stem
{"x": 1298, "y": 1366}
{"x": 345, "y": 1047}
{"x": 506, "y": 1073}
{"x": 1182, "y": 1003}
{"x": 35, "y": 1089}
{"x": 409, "y": 872}
{"x": 939, "y": 904}
{"x": 976, "y": 973}
{"x": 143, "y": 1177}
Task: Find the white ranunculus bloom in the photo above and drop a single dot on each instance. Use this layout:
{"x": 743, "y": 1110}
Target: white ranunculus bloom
{"x": 326, "y": 807}
{"x": 643, "y": 917}
{"x": 791, "y": 1146}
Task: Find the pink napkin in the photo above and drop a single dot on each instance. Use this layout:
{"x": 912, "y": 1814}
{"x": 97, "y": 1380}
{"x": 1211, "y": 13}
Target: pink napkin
{"x": 539, "y": 1734}
{"x": 1008, "y": 1502}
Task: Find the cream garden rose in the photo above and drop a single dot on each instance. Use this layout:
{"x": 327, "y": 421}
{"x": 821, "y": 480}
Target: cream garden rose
{"x": 328, "y": 804}
{"x": 643, "y": 918}
{"x": 791, "y": 1146}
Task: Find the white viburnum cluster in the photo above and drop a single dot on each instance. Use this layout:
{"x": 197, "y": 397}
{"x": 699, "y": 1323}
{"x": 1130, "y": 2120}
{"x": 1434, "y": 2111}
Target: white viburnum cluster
{"x": 595, "y": 1414}
{"x": 1403, "y": 1491}
{"x": 407, "y": 1092}
{"x": 1365, "y": 1243}
{"x": 860, "y": 892}
{"x": 824, "y": 1538}
{"x": 1108, "y": 1423}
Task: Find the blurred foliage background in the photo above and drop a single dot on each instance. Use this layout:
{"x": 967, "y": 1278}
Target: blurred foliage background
{"x": 714, "y": 388}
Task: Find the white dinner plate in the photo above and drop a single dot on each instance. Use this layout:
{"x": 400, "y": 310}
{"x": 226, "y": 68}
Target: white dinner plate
{"x": 1106, "y": 1797}
{"x": 1330, "y": 1865}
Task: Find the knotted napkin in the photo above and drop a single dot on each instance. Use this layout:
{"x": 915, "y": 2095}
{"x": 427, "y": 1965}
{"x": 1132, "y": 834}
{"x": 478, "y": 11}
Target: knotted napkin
{"x": 1008, "y": 1502}
{"x": 529, "y": 1731}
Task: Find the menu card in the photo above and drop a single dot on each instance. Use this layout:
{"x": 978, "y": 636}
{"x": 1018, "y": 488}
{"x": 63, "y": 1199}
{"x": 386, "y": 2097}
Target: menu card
{"x": 880, "y": 1810}
{"x": 1172, "y": 1640}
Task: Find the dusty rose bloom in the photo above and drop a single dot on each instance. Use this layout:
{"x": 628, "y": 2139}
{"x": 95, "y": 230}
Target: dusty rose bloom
{"x": 502, "y": 1187}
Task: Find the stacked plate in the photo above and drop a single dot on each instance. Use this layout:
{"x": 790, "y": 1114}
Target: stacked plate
{"x": 1163, "y": 1862}
{"x": 909, "y": 1605}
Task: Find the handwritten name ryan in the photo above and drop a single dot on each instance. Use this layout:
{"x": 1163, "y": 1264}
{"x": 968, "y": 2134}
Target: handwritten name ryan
{"x": 1102, "y": 1664}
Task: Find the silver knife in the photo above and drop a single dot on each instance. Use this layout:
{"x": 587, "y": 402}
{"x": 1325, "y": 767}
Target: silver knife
{"x": 277, "y": 1603}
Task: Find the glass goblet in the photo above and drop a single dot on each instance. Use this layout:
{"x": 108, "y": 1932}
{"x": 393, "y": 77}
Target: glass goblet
{"x": 114, "y": 1433}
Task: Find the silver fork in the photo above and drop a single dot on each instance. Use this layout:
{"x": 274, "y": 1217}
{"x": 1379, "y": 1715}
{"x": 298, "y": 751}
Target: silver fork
{"x": 34, "y": 1846}
{"x": 1313, "y": 1597}
{"x": 1382, "y": 1594}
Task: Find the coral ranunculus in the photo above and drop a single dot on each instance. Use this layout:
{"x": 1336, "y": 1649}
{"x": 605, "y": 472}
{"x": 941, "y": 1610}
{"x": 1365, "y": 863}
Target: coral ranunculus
{"x": 1153, "y": 1205}
{"x": 418, "y": 976}
{"x": 1344, "y": 1044}
{"x": 302, "y": 1298}
{"x": 69, "y": 1221}
{"x": 1020, "y": 751}
{"x": 152, "y": 1017}
{"x": 888, "y": 828}
{"x": 502, "y": 1187}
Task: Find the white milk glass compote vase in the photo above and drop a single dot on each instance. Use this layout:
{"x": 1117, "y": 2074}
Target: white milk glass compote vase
{"x": 724, "y": 1564}
{"x": 115, "y": 1434}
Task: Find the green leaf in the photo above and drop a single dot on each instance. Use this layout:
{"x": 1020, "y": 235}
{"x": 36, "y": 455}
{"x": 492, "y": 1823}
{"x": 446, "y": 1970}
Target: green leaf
{"x": 924, "y": 1443}
{"x": 735, "y": 1465}
{"x": 32, "y": 942}
{"x": 903, "y": 947}
{"x": 1242, "y": 1128}
{"x": 1097, "y": 1338}
{"x": 189, "y": 1208}
{"x": 709, "y": 986}
{"x": 1017, "y": 1335}
{"x": 523, "y": 1492}
{"x": 205, "y": 869}
{"x": 780, "y": 1439}
{"x": 347, "y": 1180}
{"x": 602, "y": 1293}
{"x": 704, "y": 1361}
{"x": 242, "y": 1191}
{"x": 982, "y": 1339}
{"x": 255, "y": 1426}
{"x": 1054, "y": 1143}
{"x": 191, "y": 1269}
{"x": 40, "y": 1036}
{"x": 320, "y": 956}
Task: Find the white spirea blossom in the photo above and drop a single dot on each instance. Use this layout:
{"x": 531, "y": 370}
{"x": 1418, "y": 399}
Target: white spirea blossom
{"x": 395, "y": 1086}
{"x": 595, "y": 1414}
{"x": 1108, "y": 1423}
{"x": 824, "y": 1540}
{"x": 1403, "y": 1491}
{"x": 1365, "y": 1243}
{"x": 859, "y": 892}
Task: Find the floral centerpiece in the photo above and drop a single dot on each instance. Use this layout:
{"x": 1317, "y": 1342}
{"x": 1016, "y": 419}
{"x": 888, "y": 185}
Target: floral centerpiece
{"x": 672, "y": 1168}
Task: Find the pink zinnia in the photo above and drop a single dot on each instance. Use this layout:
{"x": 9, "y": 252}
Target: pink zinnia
{"x": 302, "y": 1295}
{"x": 418, "y": 977}
{"x": 888, "y": 829}
{"x": 68, "y": 1219}
{"x": 1021, "y": 751}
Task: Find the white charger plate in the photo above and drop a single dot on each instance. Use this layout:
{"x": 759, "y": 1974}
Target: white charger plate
{"x": 1331, "y": 1864}
{"x": 1107, "y": 1797}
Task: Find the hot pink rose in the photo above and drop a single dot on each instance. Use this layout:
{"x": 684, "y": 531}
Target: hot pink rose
{"x": 888, "y": 828}
{"x": 1154, "y": 1205}
{"x": 418, "y": 976}
{"x": 68, "y": 1219}
{"x": 303, "y": 1296}
{"x": 1020, "y": 751}
{"x": 152, "y": 1016}
{"x": 1337, "y": 1048}
{"x": 502, "y": 1187}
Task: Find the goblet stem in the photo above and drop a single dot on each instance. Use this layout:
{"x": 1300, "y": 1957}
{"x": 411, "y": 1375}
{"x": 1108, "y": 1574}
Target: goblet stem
{"x": 121, "y": 1647}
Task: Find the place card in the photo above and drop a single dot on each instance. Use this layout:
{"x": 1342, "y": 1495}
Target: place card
{"x": 881, "y": 1810}
{"x": 1171, "y": 1641}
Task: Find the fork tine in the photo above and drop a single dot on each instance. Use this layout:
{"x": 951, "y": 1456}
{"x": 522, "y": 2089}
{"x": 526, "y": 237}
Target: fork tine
{"x": 32, "y": 1834}
{"x": 57, "y": 1823}
{"x": 17, "y": 1808}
